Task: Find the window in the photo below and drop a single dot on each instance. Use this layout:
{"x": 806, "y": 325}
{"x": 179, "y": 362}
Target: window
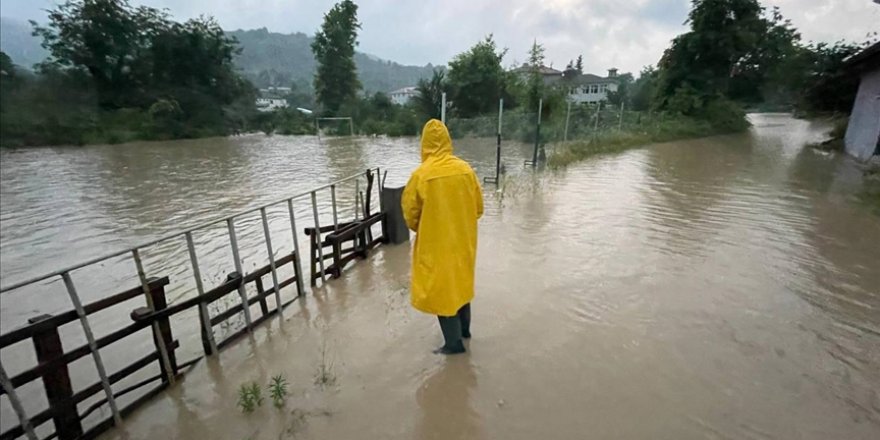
{"x": 594, "y": 88}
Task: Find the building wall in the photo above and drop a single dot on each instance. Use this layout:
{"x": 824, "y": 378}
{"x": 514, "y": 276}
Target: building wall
{"x": 401, "y": 98}
{"x": 863, "y": 132}
{"x": 580, "y": 97}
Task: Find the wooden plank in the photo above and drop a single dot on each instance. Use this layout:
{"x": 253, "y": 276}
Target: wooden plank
{"x": 56, "y": 382}
{"x": 58, "y": 320}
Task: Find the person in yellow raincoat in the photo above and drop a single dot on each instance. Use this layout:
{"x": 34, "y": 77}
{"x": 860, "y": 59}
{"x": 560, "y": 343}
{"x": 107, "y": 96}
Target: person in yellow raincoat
{"x": 441, "y": 203}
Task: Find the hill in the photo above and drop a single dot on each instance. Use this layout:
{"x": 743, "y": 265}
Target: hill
{"x": 267, "y": 58}
{"x": 271, "y": 58}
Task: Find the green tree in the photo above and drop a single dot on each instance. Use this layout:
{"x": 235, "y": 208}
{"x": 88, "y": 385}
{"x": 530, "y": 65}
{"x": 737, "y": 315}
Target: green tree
{"x": 827, "y": 86}
{"x": 7, "y": 68}
{"x": 534, "y": 88}
{"x": 761, "y": 74}
{"x": 429, "y": 98}
{"x": 642, "y": 90}
{"x": 622, "y": 95}
{"x": 107, "y": 38}
{"x": 476, "y": 78}
{"x": 336, "y": 79}
{"x": 699, "y": 62}
{"x": 579, "y": 64}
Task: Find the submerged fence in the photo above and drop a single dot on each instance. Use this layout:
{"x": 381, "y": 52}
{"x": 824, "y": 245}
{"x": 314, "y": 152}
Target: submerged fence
{"x": 547, "y": 126}
{"x": 67, "y": 407}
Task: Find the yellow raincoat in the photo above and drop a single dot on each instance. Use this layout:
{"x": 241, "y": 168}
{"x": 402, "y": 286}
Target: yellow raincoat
{"x": 442, "y": 203}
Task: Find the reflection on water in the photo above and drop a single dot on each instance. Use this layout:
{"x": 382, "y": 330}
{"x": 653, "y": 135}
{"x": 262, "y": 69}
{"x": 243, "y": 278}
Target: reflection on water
{"x": 445, "y": 401}
{"x": 714, "y": 288}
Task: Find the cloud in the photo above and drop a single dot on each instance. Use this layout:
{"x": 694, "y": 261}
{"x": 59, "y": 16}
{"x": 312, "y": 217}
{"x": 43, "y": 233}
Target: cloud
{"x": 627, "y": 35}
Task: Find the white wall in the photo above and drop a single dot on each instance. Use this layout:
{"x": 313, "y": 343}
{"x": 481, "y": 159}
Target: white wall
{"x": 401, "y": 98}
{"x": 580, "y": 96}
{"x": 863, "y": 131}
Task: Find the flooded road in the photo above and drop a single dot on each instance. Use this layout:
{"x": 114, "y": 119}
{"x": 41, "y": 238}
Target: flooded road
{"x": 721, "y": 288}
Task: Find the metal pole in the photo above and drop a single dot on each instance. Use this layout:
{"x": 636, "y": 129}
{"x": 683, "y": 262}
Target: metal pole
{"x": 537, "y": 134}
{"x": 163, "y": 350}
{"x": 567, "y": 118}
{"x": 271, "y": 259}
{"x": 333, "y": 202}
{"x": 203, "y": 308}
{"x": 598, "y": 112}
{"x": 298, "y": 271}
{"x": 242, "y": 292}
{"x": 351, "y": 126}
{"x": 620, "y": 121}
{"x": 443, "y": 109}
{"x": 93, "y": 346}
{"x": 318, "y": 237}
{"x": 357, "y": 190}
{"x": 23, "y": 419}
{"x": 498, "y": 142}
{"x": 317, "y": 129}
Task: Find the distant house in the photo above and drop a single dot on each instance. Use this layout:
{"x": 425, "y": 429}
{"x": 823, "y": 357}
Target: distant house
{"x": 863, "y": 132}
{"x": 402, "y": 96}
{"x": 270, "y": 104}
{"x": 548, "y": 74}
{"x": 277, "y": 91}
{"x": 590, "y": 89}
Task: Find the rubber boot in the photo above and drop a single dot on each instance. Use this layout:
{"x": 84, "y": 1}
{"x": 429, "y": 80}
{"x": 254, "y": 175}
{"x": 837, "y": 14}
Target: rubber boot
{"x": 464, "y": 314}
{"x": 451, "y": 328}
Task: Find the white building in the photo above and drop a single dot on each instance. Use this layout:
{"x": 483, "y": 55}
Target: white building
{"x": 863, "y": 131}
{"x": 591, "y": 89}
{"x": 279, "y": 91}
{"x": 271, "y": 104}
{"x": 402, "y": 96}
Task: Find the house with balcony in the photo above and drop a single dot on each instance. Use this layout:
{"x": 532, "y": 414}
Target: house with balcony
{"x": 404, "y": 95}
{"x": 588, "y": 88}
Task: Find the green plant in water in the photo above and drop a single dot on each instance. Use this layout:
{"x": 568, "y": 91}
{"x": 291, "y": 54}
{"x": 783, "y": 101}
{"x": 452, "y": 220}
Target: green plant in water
{"x": 278, "y": 390}
{"x": 249, "y": 397}
{"x": 325, "y": 377}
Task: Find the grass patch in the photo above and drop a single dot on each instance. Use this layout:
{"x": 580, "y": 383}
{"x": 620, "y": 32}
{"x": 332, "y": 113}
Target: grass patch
{"x": 617, "y": 141}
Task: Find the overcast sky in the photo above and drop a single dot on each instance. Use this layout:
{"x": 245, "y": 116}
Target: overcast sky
{"x": 623, "y": 34}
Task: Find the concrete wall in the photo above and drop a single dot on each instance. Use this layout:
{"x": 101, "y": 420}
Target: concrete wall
{"x": 863, "y": 132}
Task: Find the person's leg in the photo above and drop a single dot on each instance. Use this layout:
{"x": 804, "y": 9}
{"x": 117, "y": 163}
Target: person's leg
{"x": 451, "y": 328}
{"x": 464, "y": 314}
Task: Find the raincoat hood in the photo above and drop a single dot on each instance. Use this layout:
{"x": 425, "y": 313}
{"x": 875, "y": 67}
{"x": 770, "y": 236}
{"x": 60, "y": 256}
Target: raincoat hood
{"x": 435, "y": 140}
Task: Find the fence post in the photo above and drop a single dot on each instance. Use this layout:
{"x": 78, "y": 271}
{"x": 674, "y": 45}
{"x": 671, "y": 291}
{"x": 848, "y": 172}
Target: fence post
{"x": 207, "y": 331}
{"x": 56, "y": 380}
{"x": 162, "y": 336}
{"x": 537, "y": 134}
{"x": 15, "y": 402}
{"x": 498, "y": 143}
{"x": 567, "y": 118}
{"x": 264, "y": 306}
{"x": 164, "y": 357}
{"x": 443, "y": 108}
{"x": 297, "y": 271}
{"x": 93, "y": 346}
{"x": 620, "y": 121}
{"x": 242, "y": 292}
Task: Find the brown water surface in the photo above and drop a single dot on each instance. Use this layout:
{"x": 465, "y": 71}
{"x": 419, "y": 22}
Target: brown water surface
{"x": 721, "y": 288}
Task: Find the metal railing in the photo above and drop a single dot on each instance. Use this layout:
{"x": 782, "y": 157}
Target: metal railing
{"x": 187, "y": 234}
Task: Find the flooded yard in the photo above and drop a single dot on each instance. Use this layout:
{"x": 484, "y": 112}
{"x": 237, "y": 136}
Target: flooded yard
{"x": 717, "y": 288}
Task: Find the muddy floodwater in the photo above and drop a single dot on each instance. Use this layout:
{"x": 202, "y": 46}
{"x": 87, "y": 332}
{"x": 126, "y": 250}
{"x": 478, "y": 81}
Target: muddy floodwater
{"x": 721, "y": 288}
